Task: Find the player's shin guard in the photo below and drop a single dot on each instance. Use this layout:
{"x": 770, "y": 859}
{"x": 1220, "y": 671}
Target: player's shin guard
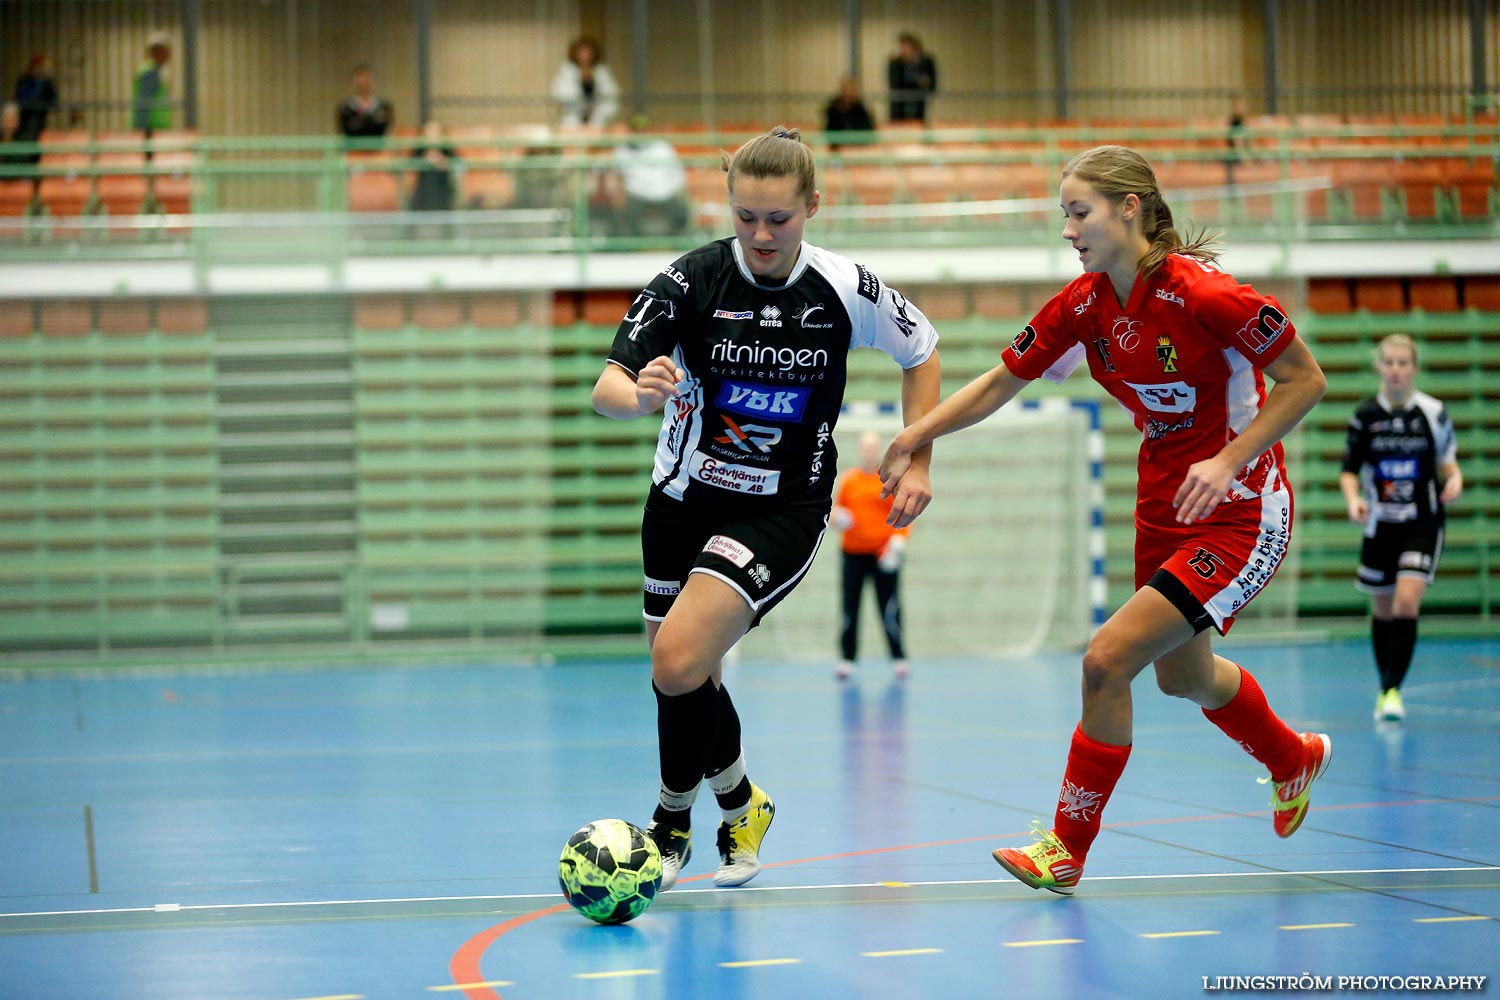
{"x": 1093, "y": 769}
{"x": 1249, "y": 721}
{"x": 685, "y": 727}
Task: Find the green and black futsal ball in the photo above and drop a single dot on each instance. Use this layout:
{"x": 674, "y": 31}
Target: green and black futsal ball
{"x": 610, "y": 871}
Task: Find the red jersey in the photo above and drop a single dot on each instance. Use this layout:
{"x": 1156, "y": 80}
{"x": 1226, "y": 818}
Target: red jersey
{"x": 1184, "y": 356}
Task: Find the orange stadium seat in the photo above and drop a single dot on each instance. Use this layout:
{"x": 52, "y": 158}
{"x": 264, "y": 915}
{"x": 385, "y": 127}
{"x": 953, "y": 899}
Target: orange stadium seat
{"x": 1421, "y": 183}
{"x": 17, "y": 194}
{"x": 374, "y": 191}
{"x": 124, "y": 316}
{"x": 437, "y": 312}
{"x": 380, "y": 312}
{"x": 998, "y": 302}
{"x": 1473, "y": 186}
{"x": 1364, "y": 183}
{"x": 15, "y": 318}
{"x": 1330, "y": 295}
{"x": 941, "y": 302}
{"x": 606, "y": 307}
{"x": 182, "y": 315}
{"x": 65, "y": 195}
{"x": 500, "y": 309}
{"x": 564, "y": 308}
{"x": 1434, "y": 294}
{"x": 67, "y": 317}
{"x": 122, "y": 193}
{"x": 1482, "y": 292}
{"x": 172, "y": 189}
{"x": 484, "y": 188}
{"x": 1381, "y": 295}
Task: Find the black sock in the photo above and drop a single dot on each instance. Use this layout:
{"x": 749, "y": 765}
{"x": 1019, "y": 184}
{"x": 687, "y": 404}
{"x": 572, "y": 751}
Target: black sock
{"x": 1380, "y": 638}
{"x": 725, "y": 755}
{"x": 1403, "y": 643}
{"x": 685, "y": 725}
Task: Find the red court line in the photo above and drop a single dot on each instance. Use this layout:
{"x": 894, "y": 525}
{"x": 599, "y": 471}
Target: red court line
{"x": 464, "y": 967}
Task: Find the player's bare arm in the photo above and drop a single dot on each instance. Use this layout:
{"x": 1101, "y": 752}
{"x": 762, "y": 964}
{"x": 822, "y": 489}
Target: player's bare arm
{"x": 921, "y": 388}
{"x": 1452, "y": 480}
{"x": 621, "y": 397}
{"x": 1299, "y": 385}
{"x": 1354, "y": 497}
{"x": 964, "y": 408}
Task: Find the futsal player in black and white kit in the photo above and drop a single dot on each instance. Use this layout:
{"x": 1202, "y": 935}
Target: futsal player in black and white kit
{"x": 1400, "y": 470}
{"x": 745, "y": 342}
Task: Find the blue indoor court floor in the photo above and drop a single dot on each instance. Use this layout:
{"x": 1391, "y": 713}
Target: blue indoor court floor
{"x": 394, "y": 833}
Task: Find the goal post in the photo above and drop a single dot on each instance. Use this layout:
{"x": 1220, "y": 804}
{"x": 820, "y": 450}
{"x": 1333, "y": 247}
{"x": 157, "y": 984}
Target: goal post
{"x": 1007, "y": 559}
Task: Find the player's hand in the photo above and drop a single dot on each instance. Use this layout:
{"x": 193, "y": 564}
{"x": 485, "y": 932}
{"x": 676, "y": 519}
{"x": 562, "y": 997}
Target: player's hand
{"x": 911, "y": 496}
{"x": 1202, "y": 489}
{"x": 657, "y": 383}
{"x": 1359, "y": 509}
{"x": 1452, "y": 488}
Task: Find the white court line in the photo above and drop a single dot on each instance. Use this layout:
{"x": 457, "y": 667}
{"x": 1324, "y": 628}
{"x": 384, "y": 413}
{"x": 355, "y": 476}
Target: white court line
{"x": 556, "y": 898}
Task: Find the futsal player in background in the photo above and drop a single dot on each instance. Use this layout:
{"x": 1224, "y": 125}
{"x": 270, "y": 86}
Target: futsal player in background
{"x": 744, "y": 343}
{"x": 1400, "y": 472}
{"x": 1184, "y": 348}
{"x": 873, "y": 551}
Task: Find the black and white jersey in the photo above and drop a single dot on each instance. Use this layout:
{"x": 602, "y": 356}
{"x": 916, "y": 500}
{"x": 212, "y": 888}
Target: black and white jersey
{"x": 765, "y": 367}
{"x": 1397, "y": 452}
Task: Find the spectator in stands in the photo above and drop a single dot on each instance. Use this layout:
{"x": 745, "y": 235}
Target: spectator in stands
{"x": 911, "y": 76}
{"x": 644, "y": 190}
{"x": 435, "y": 175}
{"x": 1236, "y": 139}
{"x": 36, "y": 95}
{"x": 847, "y": 113}
{"x": 11, "y": 130}
{"x": 1400, "y": 472}
{"x": 151, "y": 95}
{"x": 873, "y": 550}
{"x": 544, "y": 180}
{"x": 584, "y": 88}
{"x": 1213, "y": 512}
{"x": 365, "y": 114}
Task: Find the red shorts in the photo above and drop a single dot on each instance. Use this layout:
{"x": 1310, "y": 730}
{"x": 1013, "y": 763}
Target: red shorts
{"x": 1222, "y": 561}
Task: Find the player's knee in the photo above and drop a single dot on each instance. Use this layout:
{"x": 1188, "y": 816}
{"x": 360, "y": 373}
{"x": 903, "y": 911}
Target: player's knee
{"x": 1104, "y": 666}
{"x": 1177, "y": 684}
{"x": 675, "y": 667}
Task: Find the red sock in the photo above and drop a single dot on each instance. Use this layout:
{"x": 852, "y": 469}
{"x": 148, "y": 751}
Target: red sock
{"x": 1093, "y": 769}
{"x": 1249, "y": 721}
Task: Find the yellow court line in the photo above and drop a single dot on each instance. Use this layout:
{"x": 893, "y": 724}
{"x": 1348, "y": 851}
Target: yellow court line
{"x": 493, "y": 983}
{"x": 1037, "y": 944}
{"x": 1311, "y": 927}
{"x": 617, "y": 975}
{"x": 1172, "y": 934}
{"x": 896, "y": 885}
{"x": 1450, "y": 920}
{"x": 906, "y": 951}
{"x": 759, "y": 962}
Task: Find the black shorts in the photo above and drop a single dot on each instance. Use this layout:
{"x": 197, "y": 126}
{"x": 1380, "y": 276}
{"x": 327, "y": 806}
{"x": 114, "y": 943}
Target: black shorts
{"x": 762, "y": 552}
{"x": 1395, "y": 549}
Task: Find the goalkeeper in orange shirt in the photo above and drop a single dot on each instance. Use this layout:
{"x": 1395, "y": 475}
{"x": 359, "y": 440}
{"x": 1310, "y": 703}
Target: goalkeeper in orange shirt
{"x": 872, "y": 549}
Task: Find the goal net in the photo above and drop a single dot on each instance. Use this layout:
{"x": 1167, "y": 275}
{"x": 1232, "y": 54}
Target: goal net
{"x": 1006, "y": 560}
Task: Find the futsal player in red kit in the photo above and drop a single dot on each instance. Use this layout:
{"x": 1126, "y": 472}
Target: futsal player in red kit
{"x": 1185, "y": 349}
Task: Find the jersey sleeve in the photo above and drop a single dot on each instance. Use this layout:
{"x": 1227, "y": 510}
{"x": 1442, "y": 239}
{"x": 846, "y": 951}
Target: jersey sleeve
{"x": 1242, "y": 319}
{"x": 884, "y": 319}
{"x": 1356, "y": 443}
{"x": 653, "y": 323}
{"x": 1047, "y": 348}
{"x": 1444, "y": 439}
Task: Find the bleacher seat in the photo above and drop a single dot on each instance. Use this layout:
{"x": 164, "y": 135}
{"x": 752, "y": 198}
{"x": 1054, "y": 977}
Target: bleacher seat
{"x": 374, "y": 190}
{"x": 379, "y": 312}
{"x": 606, "y": 307}
{"x": 65, "y": 195}
{"x": 1434, "y": 294}
{"x": 124, "y": 316}
{"x": 15, "y": 318}
{"x": 437, "y": 312}
{"x": 1330, "y": 295}
{"x": 564, "y": 308}
{"x": 1482, "y": 292}
{"x": 1381, "y": 295}
{"x": 182, "y": 316}
{"x": 66, "y": 317}
{"x": 495, "y": 310}
{"x": 122, "y": 194}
